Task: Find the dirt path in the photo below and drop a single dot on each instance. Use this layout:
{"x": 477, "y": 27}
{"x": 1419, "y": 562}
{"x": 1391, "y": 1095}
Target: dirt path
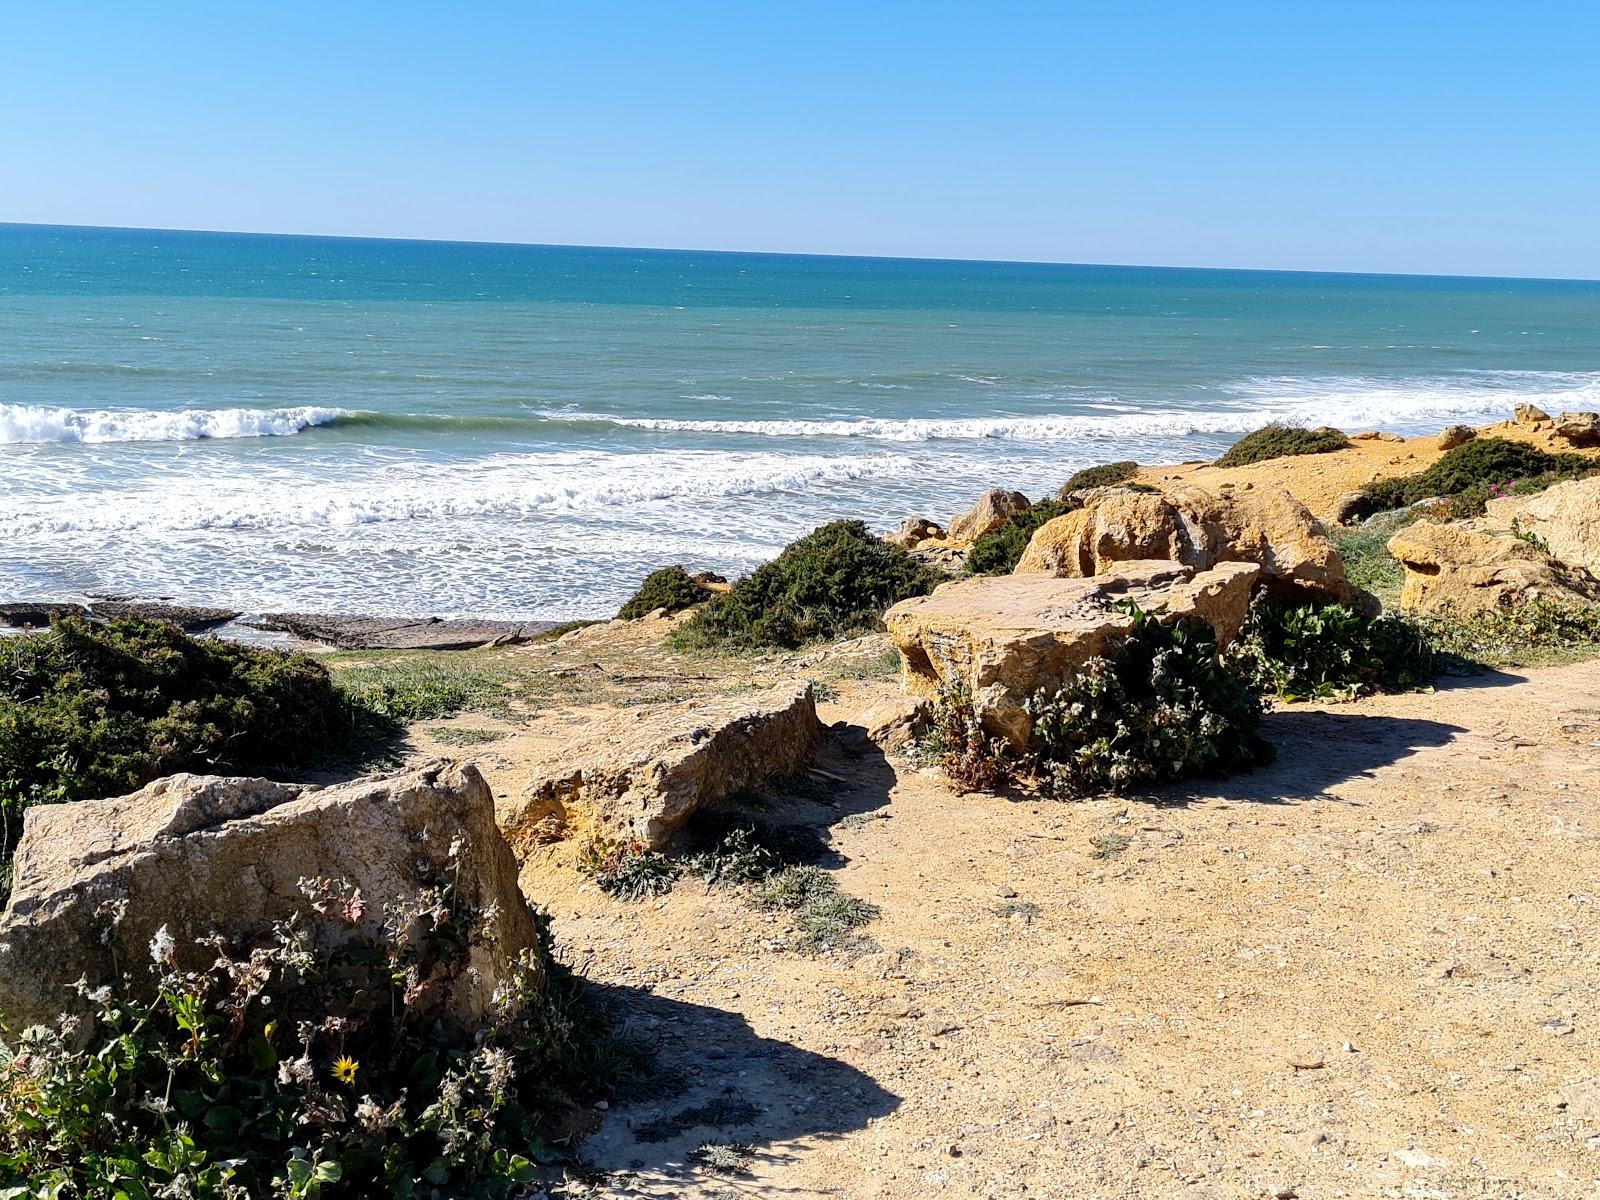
{"x": 1369, "y": 970}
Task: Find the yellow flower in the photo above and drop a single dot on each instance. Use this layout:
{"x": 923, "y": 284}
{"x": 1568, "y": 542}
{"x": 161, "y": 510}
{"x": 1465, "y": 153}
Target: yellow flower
{"x": 345, "y": 1070}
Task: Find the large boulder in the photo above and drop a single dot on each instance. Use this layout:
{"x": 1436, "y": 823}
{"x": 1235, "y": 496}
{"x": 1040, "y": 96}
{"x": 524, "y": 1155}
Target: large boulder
{"x": 639, "y": 775}
{"x": 1530, "y": 416}
{"x": 1265, "y": 526}
{"x": 1465, "y": 570}
{"x": 992, "y": 510}
{"x": 200, "y": 854}
{"x": 1452, "y": 436}
{"x": 999, "y": 639}
{"x": 1580, "y": 429}
{"x": 1565, "y": 519}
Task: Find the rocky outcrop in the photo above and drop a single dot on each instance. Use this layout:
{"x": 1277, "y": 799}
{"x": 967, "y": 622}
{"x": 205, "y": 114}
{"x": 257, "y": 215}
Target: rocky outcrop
{"x": 1465, "y": 570}
{"x": 1531, "y": 416}
{"x": 1265, "y": 526}
{"x": 38, "y": 614}
{"x": 198, "y": 855}
{"x": 1001, "y": 638}
{"x": 1452, "y": 436}
{"x": 1565, "y": 519}
{"x": 640, "y": 774}
{"x": 913, "y": 532}
{"x": 1580, "y": 429}
{"x": 401, "y": 633}
{"x": 991, "y": 511}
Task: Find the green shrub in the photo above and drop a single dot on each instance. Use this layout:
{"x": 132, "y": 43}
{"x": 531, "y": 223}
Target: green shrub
{"x": 1331, "y": 652}
{"x": 670, "y": 588}
{"x": 1163, "y": 708}
{"x": 1281, "y": 441}
{"x": 835, "y": 581}
{"x": 99, "y": 710}
{"x": 313, "y": 1063}
{"x": 1472, "y": 473}
{"x": 1104, "y": 475}
{"x": 998, "y": 553}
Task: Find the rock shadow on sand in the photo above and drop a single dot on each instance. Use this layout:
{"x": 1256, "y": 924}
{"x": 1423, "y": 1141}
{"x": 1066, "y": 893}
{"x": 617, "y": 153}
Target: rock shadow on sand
{"x": 1317, "y": 750}
{"x": 717, "y": 1082}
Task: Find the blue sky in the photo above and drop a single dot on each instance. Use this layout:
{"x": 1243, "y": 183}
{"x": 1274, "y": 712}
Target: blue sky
{"x": 1458, "y": 138}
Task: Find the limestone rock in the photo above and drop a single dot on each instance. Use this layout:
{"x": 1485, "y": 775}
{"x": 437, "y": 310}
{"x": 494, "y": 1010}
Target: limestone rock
{"x": 913, "y": 532}
{"x": 1452, "y": 436}
{"x": 640, "y": 774}
{"x": 1466, "y": 571}
{"x": 895, "y": 721}
{"x": 1531, "y": 415}
{"x": 22, "y": 615}
{"x": 1001, "y": 638}
{"x": 1265, "y": 526}
{"x": 987, "y": 515}
{"x": 1580, "y": 429}
{"x": 1565, "y": 518}
{"x": 1345, "y": 507}
{"x": 204, "y": 854}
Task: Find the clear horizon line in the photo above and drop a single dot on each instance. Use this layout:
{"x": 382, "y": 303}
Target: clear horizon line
{"x": 928, "y": 258}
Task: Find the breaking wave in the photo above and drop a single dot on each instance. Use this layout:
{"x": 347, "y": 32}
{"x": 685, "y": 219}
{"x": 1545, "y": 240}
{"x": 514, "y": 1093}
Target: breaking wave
{"x": 21, "y": 423}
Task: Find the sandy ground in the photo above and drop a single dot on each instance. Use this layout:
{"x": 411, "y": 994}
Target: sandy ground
{"x": 1368, "y": 970}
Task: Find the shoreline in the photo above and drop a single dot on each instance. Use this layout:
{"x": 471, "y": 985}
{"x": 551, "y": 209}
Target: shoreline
{"x": 1319, "y": 481}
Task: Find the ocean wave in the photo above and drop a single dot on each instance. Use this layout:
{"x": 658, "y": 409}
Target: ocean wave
{"x": 20, "y": 423}
{"x": 1348, "y": 402}
{"x": 502, "y": 486}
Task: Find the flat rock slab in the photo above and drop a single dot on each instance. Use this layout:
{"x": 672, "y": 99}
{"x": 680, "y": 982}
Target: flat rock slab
{"x": 639, "y": 774}
{"x": 1001, "y": 639}
{"x": 188, "y": 617}
{"x": 401, "y": 633}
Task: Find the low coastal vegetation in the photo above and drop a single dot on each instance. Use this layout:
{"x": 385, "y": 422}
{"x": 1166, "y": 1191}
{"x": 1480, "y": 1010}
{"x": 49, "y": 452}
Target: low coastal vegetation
{"x": 318, "y": 1062}
{"x": 90, "y": 710}
{"x": 1329, "y": 652}
{"x": 1280, "y": 441}
{"x": 1104, "y": 475}
{"x": 1470, "y": 475}
{"x": 1540, "y": 633}
{"x": 671, "y": 588}
{"x": 1163, "y": 708}
{"x": 752, "y": 860}
{"x": 998, "y": 552}
{"x": 836, "y": 581}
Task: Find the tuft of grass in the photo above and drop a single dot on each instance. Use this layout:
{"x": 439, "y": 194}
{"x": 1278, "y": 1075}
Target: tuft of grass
{"x": 671, "y": 588}
{"x": 426, "y": 685}
{"x": 998, "y": 553}
{"x": 723, "y": 1159}
{"x": 834, "y": 582}
{"x": 627, "y": 870}
{"x": 1108, "y": 845}
{"x": 824, "y": 917}
{"x": 1281, "y": 441}
{"x": 1364, "y": 549}
{"x": 451, "y": 735}
{"x": 1104, "y": 475}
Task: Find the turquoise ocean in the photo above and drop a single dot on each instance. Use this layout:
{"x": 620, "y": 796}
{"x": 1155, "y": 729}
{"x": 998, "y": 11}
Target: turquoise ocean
{"x": 346, "y": 425}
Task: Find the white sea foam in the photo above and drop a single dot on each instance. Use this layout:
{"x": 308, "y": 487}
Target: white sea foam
{"x": 501, "y": 486}
{"x": 33, "y": 423}
{"x": 1348, "y": 402}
